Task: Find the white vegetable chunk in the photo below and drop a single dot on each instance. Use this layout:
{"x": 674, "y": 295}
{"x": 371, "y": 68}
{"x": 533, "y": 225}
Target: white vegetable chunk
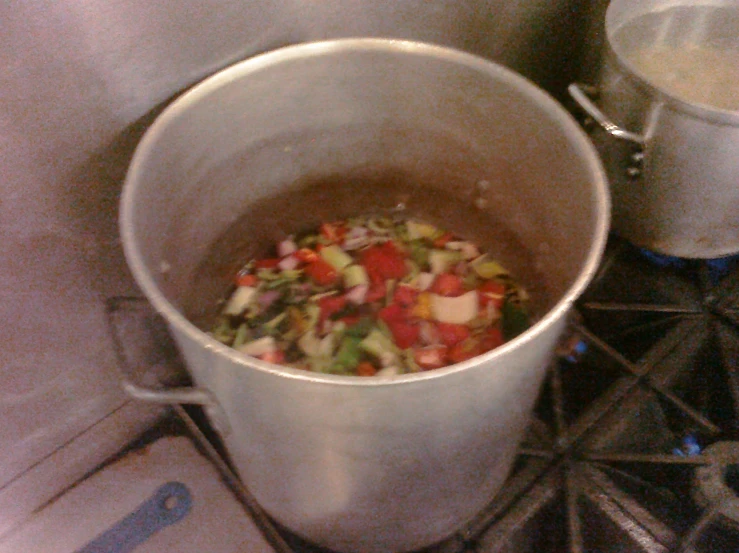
{"x": 459, "y": 310}
{"x": 259, "y": 346}
{"x": 388, "y": 371}
{"x": 239, "y": 300}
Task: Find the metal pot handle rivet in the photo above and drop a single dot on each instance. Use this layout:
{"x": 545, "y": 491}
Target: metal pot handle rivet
{"x": 578, "y": 94}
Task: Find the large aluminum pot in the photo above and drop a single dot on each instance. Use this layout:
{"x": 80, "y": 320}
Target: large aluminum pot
{"x": 325, "y": 130}
{"x": 672, "y": 144}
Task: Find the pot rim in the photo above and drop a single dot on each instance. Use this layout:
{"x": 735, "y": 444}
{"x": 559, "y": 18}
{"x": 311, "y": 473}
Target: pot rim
{"x": 200, "y": 91}
{"x": 642, "y": 81}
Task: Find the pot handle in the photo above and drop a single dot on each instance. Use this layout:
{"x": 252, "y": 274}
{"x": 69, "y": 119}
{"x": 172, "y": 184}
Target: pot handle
{"x": 580, "y": 96}
{"x": 184, "y": 395}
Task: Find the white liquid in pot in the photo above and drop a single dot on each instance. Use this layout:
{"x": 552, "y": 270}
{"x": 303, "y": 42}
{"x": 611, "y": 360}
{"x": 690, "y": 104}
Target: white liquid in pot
{"x": 691, "y": 53}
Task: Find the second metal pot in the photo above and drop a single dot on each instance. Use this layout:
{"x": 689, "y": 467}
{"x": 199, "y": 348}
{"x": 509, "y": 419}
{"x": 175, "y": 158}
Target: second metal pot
{"x": 672, "y": 158}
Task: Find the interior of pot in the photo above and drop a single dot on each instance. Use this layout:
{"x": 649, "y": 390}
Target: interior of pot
{"x": 284, "y": 141}
{"x": 688, "y": 49}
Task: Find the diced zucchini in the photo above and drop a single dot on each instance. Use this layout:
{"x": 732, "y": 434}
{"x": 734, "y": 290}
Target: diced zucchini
{"x": 336, "y": 257}
{"x": 443, "y": 260}
{"x": 354, "y": 275}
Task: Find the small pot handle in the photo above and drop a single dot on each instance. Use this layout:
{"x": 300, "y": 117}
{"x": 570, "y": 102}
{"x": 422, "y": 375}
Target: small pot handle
{"x": 577, "y": 92}
{"x": 165, "y": 396}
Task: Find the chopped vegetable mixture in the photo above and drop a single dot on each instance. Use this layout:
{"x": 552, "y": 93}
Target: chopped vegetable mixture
{"x": 372, "y": 296}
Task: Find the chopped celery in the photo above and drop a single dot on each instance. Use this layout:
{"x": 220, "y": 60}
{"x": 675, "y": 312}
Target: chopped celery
{"x": 376, "y": 343}
{"x": 267, "y": 274}
{"x": 336, "y": 257}
{"x": 487, "y": 268}
{"x": 273, "y": 325}
{"x": 308, "y": 241}
{"x": 223, "y": 332}
{"x": 348, "y": 355}
{"x": 242, "y": 336}
{"x": 320, "y": 363}
{"x": 419, "y": 252}
{"x": 421, "y": 230}
{"x": 313, "y": 314}
{"x": 380, "y": 225}
{"x": 309, "y": 343}
{"x": 409, "y": 361}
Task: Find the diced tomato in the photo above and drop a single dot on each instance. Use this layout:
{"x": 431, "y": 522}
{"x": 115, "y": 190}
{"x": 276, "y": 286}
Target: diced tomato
{"x": 430, "y": 357}
{"x": 376, "y": 292}
{"x": 330, "y": 305}
{"x": 466, "y": 349}
{"x": 321, "y": 272}
{"x": 277, "y": 356}
{"x": 365, "y": 368}
{"x": 383, "y": 262}
{"x": 442, "y": 240}
{"x": 452, "y": 334}
{"x": 350, "y": 320}
{"x": 269, "y": 263}
{"x": 491, "y": 339}
{"x": 447, "y": 284}
{"x": 246, "y": 280}
{"x": 306, "y": 255}
{"x": 493, "y": 292}
{"x": 334, "y": 232}
{"x": 405, "y": 296}
{"x": 392, "y": 312}
{"x": 404, "y": 333}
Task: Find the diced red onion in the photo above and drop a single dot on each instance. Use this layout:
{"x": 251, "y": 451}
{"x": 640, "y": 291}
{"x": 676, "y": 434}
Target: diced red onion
{"x": 356, "y": 238}
{"x": 268, "y": 298}
{"x": 357, "y": 232}
{"x": 286, "y": 247}
{"x": 357, "y": 294}
{"x": 288, "y": 263}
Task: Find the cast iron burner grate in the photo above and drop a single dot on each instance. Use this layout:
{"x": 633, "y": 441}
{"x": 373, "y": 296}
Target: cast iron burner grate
{"x": 634, "y": 446}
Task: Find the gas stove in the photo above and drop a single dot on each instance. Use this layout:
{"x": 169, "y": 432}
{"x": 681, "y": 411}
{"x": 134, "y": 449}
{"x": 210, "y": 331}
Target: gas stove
{"x": 633, "y": 447}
